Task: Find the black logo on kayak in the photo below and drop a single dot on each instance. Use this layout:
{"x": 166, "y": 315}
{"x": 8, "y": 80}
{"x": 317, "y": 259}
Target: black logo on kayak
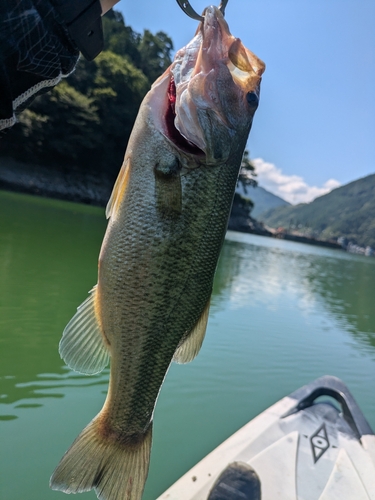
{"x": 319, "y": 443}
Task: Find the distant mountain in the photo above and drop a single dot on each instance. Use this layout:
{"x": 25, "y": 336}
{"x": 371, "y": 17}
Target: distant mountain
{"x": 347, "y": 211}
{"x": 263, "y": 200}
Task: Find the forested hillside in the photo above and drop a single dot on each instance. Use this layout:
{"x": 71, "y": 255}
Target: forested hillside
{"x": 70, "y": 142}
{"x": 262, "y": 199}
{"x": 85, "y": 121}
{"x": 347, "y": 211}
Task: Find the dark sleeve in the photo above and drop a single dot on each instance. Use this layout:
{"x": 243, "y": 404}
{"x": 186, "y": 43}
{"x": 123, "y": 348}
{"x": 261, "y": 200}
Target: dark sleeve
{"x": 40, "y": 41}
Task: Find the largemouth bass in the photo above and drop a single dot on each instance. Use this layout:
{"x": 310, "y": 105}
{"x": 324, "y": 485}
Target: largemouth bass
{"x": 168, "y": 214}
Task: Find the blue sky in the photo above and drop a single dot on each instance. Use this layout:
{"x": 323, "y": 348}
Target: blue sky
{"x": 315, "y": 126}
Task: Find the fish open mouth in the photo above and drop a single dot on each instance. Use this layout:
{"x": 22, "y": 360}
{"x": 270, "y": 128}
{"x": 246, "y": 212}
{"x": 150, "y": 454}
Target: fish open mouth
{"x": 173, "y": 133}
{"x": 208, "y": 92}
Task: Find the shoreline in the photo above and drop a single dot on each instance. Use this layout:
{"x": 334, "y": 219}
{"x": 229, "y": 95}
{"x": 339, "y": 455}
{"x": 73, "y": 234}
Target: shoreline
{"x": 91, "y": 188}
{"x": 70, "y": 184}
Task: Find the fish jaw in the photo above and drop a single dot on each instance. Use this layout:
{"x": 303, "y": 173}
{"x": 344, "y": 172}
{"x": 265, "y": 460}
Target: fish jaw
{"x": 210, "y": 92}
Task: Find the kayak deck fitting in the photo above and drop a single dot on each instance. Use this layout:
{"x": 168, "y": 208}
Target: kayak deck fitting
{"x": 314, "y": 444}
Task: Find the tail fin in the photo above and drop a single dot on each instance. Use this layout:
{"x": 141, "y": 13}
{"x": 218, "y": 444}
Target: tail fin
{"x": 116, "y": 470}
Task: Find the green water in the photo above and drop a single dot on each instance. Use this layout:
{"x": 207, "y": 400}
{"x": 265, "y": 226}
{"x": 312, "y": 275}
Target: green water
{"x": 282, "y": 315}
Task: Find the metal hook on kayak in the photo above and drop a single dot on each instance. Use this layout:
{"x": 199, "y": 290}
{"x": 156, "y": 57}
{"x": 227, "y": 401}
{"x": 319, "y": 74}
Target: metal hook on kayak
{"x": 188, "y": 9}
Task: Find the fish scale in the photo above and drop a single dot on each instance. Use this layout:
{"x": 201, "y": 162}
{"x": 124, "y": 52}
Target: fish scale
{"x": 168, "y": 214}
{"x": 194, "y": 292}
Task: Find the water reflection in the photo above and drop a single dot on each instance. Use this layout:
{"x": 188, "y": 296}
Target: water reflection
{"x": 254, "y": 269}
{"x": 49, "y": 385}
{"x": 346, "y": 287}
{"x": 281, "y": 315}
{"x": 48, "y": 262}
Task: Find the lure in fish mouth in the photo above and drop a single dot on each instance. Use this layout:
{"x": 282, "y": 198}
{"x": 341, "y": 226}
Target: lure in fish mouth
{"x": 211, "y": 91}
{"x": 168, "y": 216}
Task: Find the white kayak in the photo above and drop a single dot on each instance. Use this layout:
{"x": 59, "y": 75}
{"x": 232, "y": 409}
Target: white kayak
{"x": 314, "y": 444}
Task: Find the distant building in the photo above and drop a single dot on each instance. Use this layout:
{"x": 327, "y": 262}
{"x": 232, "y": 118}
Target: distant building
{"x": 353, "y": 248}
{"x": 342, "y": 241}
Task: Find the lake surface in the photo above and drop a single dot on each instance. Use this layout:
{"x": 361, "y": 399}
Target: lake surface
{"x": 282, "y": 315}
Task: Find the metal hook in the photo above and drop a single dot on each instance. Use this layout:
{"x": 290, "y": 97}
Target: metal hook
{"x": 188, "y": 9}
{"x": 222, "y": 6}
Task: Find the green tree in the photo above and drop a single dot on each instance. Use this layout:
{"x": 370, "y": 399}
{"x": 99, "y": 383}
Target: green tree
{"x": 148, "y": 52}
{"x": 86, "y": 120}
{"x": 242, "y": 205}
{"x": 121, "y": 39}
{"x": 117, "y": 91}
{"x": 246, "y": 177}
{"x": 53, "y": 127}
{"x": 155, "y": 52}
{"x": 73, "y": 124}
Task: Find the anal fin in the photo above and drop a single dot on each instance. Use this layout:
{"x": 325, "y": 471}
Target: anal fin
{"x": 191, "y": 346}
{"x": 83, "y": 346}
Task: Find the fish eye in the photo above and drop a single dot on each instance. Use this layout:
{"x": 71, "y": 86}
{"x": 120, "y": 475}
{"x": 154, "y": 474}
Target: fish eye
{"x": 252, "y": 99}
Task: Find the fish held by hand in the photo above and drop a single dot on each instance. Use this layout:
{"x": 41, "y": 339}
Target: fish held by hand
{"x": 168, "y": 214}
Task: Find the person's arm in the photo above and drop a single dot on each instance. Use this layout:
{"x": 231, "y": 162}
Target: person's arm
{"x": 39, "y": 45}
{"x": 107, "y": 5}
{"x": 83, "y": 21}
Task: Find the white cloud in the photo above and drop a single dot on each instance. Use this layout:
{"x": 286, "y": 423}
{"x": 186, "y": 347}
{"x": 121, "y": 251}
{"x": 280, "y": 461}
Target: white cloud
{"x": 291, "y": 188}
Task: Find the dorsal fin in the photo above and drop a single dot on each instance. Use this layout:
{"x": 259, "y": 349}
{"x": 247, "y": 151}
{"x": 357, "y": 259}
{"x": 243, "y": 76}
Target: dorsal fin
{"x": 191, "y": 346}
{"x": 118, "y": 190}
{"x": 83, "y": 346}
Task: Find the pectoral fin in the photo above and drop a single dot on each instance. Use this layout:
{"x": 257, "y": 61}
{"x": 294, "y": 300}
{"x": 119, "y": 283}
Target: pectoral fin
{"x": 191, "y": 346}
{"x": 83, "y": 345}
{"x": 168, "y": 186}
